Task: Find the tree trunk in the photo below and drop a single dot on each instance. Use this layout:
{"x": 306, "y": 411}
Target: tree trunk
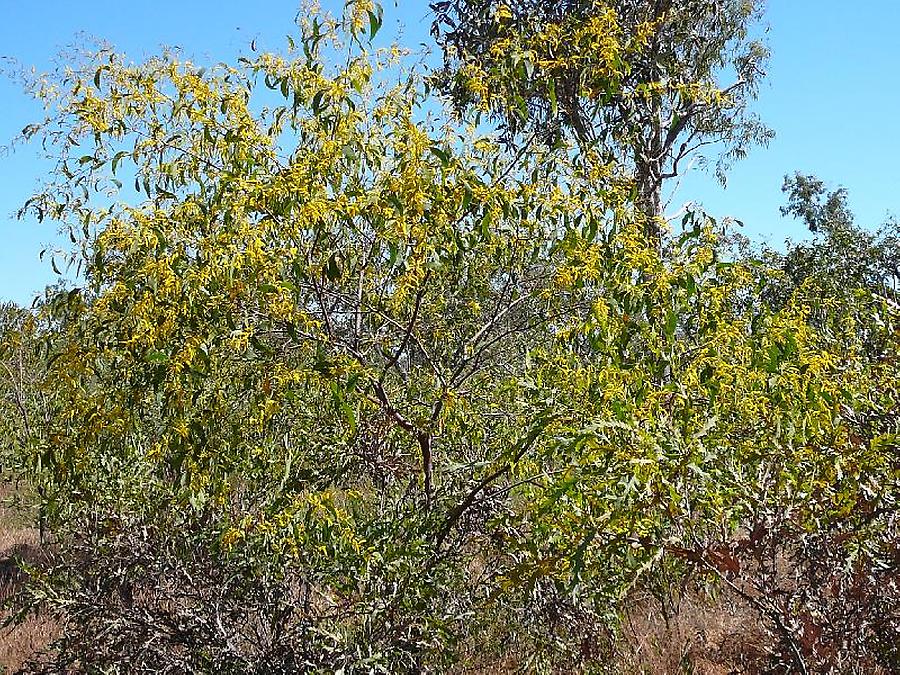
{"x": 649, "y": 200}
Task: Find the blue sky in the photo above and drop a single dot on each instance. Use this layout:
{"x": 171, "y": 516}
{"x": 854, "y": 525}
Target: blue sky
{"x": 832, "y": 97}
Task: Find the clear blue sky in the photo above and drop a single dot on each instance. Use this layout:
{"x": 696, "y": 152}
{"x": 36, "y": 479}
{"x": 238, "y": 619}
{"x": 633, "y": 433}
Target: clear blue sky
{"x": 832, "y": 97}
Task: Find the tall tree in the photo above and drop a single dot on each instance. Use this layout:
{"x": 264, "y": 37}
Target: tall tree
{"x": 649, "y": 81}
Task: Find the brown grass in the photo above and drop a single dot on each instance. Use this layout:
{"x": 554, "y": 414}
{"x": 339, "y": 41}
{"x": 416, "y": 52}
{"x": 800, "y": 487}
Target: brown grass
{"x": 19, "y": 542}
{"x": 706, "y": 636}
{"x": 702, "y": 635}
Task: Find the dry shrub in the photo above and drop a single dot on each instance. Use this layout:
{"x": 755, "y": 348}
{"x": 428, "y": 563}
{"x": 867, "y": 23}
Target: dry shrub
{"x": 789, "y": 601}
{"x": 782, "y": 600}
{"x": 707, "y": 634}
{"x": 150, "y": 601}
{"x": 831, "y": 599}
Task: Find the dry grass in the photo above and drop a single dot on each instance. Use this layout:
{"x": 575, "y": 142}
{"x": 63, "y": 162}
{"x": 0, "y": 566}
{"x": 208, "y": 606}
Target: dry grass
{"x": 703, "y": 635}
{"x": 18, "y": 542}
{"x": 706, "y": 636}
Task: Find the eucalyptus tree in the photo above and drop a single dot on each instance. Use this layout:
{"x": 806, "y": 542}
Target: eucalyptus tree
{"x": 651, "y": 82}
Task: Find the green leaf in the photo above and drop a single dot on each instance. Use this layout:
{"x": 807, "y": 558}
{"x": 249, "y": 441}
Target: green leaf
{"x": 578, "y": 558}
{"x": 441, "y": 154}
{"x": 671, "y": 324}
{"x": 317, "y": 103}
{"x": 774, "y": 354}
{"x": 486, "y": 220}
{"x": 551, "y": 93}
{"x": 117, "y": 158}
{"x": 375, "y": 21}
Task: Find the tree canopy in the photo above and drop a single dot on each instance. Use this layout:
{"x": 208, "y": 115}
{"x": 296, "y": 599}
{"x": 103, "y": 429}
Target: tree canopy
{"x": 651, "y": 82}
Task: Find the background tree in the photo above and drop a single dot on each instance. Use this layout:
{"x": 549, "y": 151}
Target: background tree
{"x": 843, "y": 258}
{"x": 25, "y": 409}
{"x": 649, "y": 81}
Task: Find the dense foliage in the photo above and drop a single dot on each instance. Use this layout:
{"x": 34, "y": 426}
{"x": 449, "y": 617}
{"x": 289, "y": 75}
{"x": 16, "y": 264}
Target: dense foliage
{"x": 350, "y": 388}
